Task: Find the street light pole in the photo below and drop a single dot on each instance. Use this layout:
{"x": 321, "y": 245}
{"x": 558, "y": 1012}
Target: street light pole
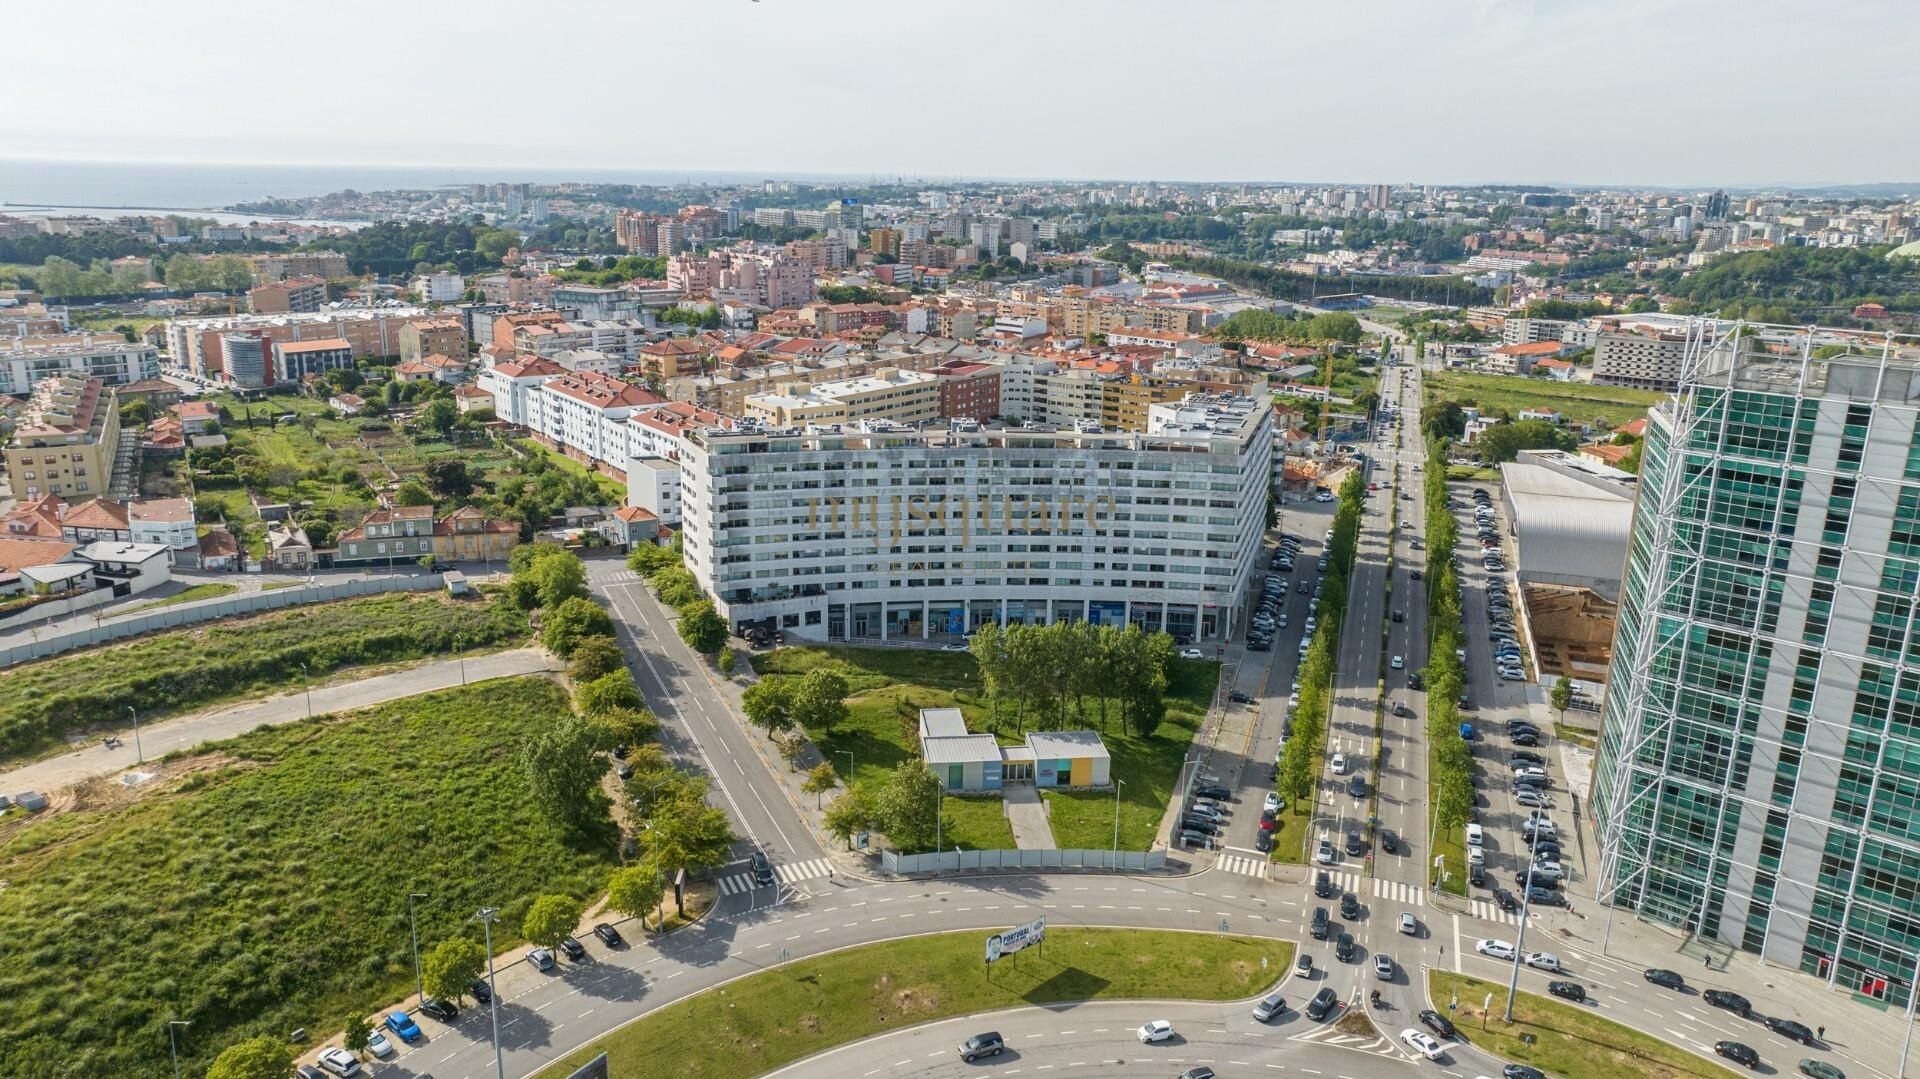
{"x": 306, "y": 684}
{"x": 1117, "y": 784}
{"x": 173, "y": 1043}
{"x": 1520, "y": 938}
{"x": 419, "y": 984}
{"x": 140, "y": 755}
{"x": 939, "y": 808}
{"x": 487, "y": 916}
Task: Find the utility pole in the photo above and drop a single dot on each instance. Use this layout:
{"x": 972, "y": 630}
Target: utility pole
{"x": 1117, "y": 784}
{"x": 1526, "y": 904}
{"x": 140, "y": 755}
{"x": 173, "y": 1043}
{"x": 487, "y": 917}
{"x": 306, "y": 684}
{"x": 419, "y": 984}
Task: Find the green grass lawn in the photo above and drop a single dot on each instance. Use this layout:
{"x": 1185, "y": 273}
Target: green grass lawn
{"x": 1291, "y": 839}
{"x": 1450, "y": 846}
{"x": 975, "y": 823}
{"x": 1571, "y": 1041}
{"x": 209, "y": 590}
{"x": 167, "y": 672}
{"x": 268, "y": 892}
{"x": 890, "y": 685}
{"x": 1578, "y": 402}
{"x": 766, "y": 1020}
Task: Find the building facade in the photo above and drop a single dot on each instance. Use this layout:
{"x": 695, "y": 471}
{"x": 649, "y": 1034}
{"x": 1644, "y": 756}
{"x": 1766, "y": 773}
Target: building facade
{"x": 112, "y": 359}
{"x": 66, "y": 440}
{"x": 1759, "y": 764}
{"x": 878, "y": 530}
{"x": 1643, "y": 361}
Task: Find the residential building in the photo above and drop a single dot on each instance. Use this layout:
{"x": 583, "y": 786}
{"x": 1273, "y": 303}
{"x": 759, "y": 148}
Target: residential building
{"x": 889, "y": 394}
{"x": 98, "y": 519}
{"x": 112, "y": 359}
{"x": 410, "y": 533}
{"x": 1648, "y": 361}
{"x": 289, "y": 295}
{"x": 653, "y": 485}
{"x": 510, "y": 384}
{"x": 372, "y": 333}
{"x": 874, "y": 529}
{"x": 288, "y": 549}
{"x": 128, "y": 568}
{"x": 166, "y": 521}
{"x": 321, "y": 264}
{"x": 1519, "y": 359}
{"x": 1528, "y": 331}
{"x": 1756, "y": 770}
{"x": 968, "y": 390}
{"x": 66, "y": 440}
{"x": 589, "y": 302}
{"x": 579, "y": 414}
{"x": 439, "y": 287}
{"x": 446, "y": 335}
{"x": 246, "y": 359}
{"x": 295, "y": 360}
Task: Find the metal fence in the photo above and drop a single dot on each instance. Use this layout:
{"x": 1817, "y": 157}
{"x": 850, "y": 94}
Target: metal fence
{"x": 49, "y": 644}
{"x": 948, "y": 861}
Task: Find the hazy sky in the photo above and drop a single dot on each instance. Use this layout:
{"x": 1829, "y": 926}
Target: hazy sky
{"x": 1681, "y": 92}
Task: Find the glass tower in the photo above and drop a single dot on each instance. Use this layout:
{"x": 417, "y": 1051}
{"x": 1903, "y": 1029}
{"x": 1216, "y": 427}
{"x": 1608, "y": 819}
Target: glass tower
{"x": 1758, "y": 779}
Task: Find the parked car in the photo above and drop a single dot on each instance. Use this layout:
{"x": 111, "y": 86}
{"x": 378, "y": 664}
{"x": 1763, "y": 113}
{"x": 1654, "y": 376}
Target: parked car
{"x": 608, "y": 935}
{"x": 541, "y": 959}
{"x": 575, "y": 950}
{"x": 1218, "y": 794}
{"x": 339, "y": 1062}
{"x": 1743, "y": 1055}
{"x": 379, "y": 1045}
{"x": 443, "y": 1010}
{"x": 403, "y": 1027}
{"x": 480, "y": 991}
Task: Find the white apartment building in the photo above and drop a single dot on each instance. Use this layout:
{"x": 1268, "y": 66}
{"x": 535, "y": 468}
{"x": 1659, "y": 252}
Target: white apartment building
{"x": 440, "y": 287}
{"x": 512, "y": 385}
{"x": 112, "y": 359}
{"x": 877, "y": 530}
{"x": 583, "y": 414}
{"x": 1649, "y": 361}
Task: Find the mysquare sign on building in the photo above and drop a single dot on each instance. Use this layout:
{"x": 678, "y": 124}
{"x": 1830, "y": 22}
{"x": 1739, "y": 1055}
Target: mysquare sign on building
{"x": 1020, "y": 936}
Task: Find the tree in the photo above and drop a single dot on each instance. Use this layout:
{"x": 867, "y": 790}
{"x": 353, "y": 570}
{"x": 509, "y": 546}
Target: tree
{"x": 392, "y": 393}
{"x": 448, "y": 478}
{"x": 563, "y": 766}
{"x": 1504, "y": 441}
{"x": 625, "y": 726}
{"x": 684, "y": 832}
{"x": 850, "y": 814}
{"x": 359, "y": 1033}
{"x": 649, "y": 558}
{"x": 727, "y": 662}
{"x": 1562, "y": 695}
{"x": 820, "y": 700}
{"x": 702, "y": 628}
{"x": 452, "y": 966}
{"x": 574, "y": 620}
{"x": 636, "y": 891}
{"x": 819, "y": 781}
{"x": 439, "y": 416}
{"x": 413, "y": 493}
{"x": 907, "y": 805}
{"x": 609, "y": 692}
{"x": 675, "y": 586}
{"x": 550, "y": 918}
{"x": 261, "y": 1057}
{"x": 768, "y": 704}
{"x": 594, "y": 655}
{"x": 557, "y": 574}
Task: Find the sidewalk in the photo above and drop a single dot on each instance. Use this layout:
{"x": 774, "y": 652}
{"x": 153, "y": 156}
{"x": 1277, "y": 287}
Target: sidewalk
{"x": 186, "y": 732}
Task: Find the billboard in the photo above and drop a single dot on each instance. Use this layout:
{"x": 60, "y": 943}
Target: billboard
{"x": 1020, "y": 936}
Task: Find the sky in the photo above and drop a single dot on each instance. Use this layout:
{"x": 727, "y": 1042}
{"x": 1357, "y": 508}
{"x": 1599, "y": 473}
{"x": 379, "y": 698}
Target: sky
{"x": 1606, "y": 92}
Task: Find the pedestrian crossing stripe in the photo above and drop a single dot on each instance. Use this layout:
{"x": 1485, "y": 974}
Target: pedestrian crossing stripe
{"x": 1243, "y": 865}
{"x": 742, "y": 883}
{"x": 1394, "y": 890}
{"x": 1487, "y": 910}
{"x": 1346, "y": 882}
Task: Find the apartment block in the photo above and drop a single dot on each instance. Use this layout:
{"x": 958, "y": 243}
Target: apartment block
{"x": 424, "y": 337}
{"x": 66, "y": 439}
{"x": 25, "y": 361}
{"x": 1647, "y": 361}
{"x": 372, "y": 333}
{"x": 889, "y": 393}
{"x": 302, "y": 294}
{"x": 295, "y": 360}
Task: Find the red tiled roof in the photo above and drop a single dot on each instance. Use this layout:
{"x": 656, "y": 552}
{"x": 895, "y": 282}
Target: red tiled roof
{"x": 99, "y": 513}
{"x": 217, "y": 543}
{"x": 22, "y": 552}
{"x": 528, "y": 367}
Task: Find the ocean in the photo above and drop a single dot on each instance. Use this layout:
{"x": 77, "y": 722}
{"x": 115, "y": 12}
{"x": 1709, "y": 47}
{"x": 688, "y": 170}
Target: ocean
{"x": 153, "y": 186}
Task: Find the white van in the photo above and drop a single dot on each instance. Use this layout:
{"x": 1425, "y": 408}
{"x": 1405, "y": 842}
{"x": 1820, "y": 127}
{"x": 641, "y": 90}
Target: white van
{"x": 1475, "y": 835}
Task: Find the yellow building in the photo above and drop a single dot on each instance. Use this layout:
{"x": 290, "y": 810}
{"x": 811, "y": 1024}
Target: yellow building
{"x": 66, "y": 439}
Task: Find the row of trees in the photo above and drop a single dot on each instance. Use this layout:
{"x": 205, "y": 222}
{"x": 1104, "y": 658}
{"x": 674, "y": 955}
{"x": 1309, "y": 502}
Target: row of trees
{"x": 904, "y": 805}
{"x": 1455, "y": 291}
{"x": 1256, "y": 325}
{"x": 699, "y": 625}
{"x": 1305, "y": 749}
{"x": 1451, "y": 781}
{"x": 1052, "y": 673}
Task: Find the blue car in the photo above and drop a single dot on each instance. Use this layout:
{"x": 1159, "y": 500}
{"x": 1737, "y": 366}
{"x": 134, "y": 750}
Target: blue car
{"x": 403, "y": 1027}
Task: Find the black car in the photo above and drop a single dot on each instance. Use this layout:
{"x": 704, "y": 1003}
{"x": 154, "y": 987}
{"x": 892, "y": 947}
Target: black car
{"x": 1573, "y": 991}
{"x": 1218, "y": 794}
{"x": 1353, "y": 842}
{"x": 1320, "y": 924}
{"x": 1526, "y": 738}
{"x": 1263, "y": 841}
{"x": 1540, "y": 882}
{"x": 1323, "y": 885}
{"x": 1388, "y": 843}
{"x": 575, "y": 950}
{"x": 1415, "y": 680}
{"x": 1521, "y": 1071}
{"x": 1528, "y": 758}
{"x": 990, "y": 1044}
{"x": 1321, "y": 1004}
{"x": 1505, "y": 900}
{"x": 442, "y": 1010}
{"x": 479, "y": 990}
{"x": 1548, "y": 849}
{"x": 1357, "y": 787}
{"x": 608, "y": 935}
{"x": 1438, "y": 1023}
{"x": 1240, "y": 697}
{"x": 1521, "y": 727}
{"x": 1343, "y": 949}
{"x": 1199, "y": 824}
{"x": 1201, "y": 1072}
{"x": 762, "y": 870}
{"x": 1477, "y": 876}
{"x": 1733, "y": 1002}
{"x": 1742, "y": 1055}
{"x": 1788, "y": 1028}
{"x": 1540, "y": 897}
{"x": 1399, "y": 616}
{"x": 1260, "y": 644}
{"x": 1667, "y": 979}
{"x": 1349, "y": 907}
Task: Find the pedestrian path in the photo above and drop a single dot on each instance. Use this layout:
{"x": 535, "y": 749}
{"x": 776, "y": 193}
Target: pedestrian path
{"x": 793, "y": 873}
{"x": 1411, "y": 895}
{"x": 1488, "y": 910}
{"x": 1243, "y": 864}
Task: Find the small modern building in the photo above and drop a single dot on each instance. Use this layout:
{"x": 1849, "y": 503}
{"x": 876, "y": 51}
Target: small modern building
{"x": 968, "y": 763}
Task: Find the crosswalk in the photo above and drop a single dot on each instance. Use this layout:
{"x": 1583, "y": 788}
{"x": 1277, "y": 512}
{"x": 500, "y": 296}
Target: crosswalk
{"x": 1411, "y": 895}
{"x": 1490, "y": 911}
{"x": 1243, "y": 864}
{"x": 622, "y": 576}
{"x": 794, "y": 873}
{"x": 1345, "y": 882}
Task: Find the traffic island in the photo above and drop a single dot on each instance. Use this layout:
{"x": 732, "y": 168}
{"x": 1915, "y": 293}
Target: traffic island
{"x": 762, "y": 1021}
{"x": 1571, "y": 1041}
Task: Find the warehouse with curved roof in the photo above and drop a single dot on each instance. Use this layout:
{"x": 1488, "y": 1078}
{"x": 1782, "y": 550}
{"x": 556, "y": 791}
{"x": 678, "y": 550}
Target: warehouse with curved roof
{"x": 1570, "y": 519}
